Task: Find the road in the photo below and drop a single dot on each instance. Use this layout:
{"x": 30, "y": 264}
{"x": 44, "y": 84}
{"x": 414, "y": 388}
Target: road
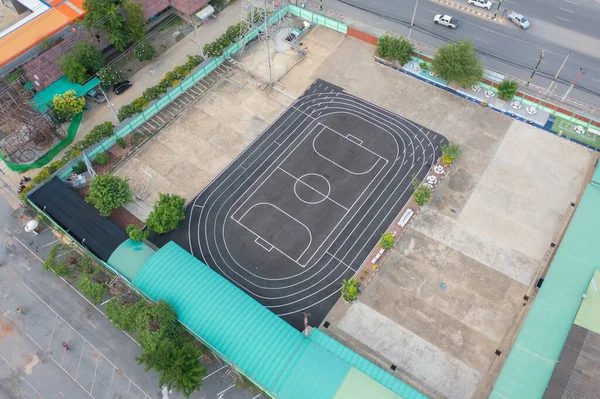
{"x": 557, "y": 26}
{"x": 101, "y": 363}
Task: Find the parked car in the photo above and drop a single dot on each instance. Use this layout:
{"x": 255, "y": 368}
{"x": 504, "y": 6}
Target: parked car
{"x": 518, "y": 19}
{"x": 446, "y": 20}
{"x": 95, "y": 96}
{"x": 487, "y": 4}
{"x": 121, "y": 87}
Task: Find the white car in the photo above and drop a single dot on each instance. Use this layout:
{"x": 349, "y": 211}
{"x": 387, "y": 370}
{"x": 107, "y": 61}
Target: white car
{"x": 518, "y": 19}
{"x": 487, "y": 4}
{"x": 446, "y": 20}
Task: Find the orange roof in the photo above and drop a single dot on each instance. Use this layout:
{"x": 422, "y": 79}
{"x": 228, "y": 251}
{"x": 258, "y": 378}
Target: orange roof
{"x": 33, "y": 32}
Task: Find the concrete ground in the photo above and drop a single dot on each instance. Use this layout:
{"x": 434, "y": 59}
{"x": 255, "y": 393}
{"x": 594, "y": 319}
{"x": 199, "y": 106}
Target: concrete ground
{"x": 447, "y": 295}
{"x": 101, "y": 363}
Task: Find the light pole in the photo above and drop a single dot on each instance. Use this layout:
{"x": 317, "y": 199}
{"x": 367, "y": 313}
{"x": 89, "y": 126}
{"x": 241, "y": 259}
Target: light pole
{"x": 497, "y": 9}
{"x": 321, "y": 5}
{"x": 412, "y": 21}
{"x": 109, "y": 104}
{"x": 535, "y": 69}
{"x": 553, "y": 83}
{"x": 581, "y": 72}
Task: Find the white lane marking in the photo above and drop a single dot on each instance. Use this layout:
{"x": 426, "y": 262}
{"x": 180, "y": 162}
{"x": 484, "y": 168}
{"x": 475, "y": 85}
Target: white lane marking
{"x": 565, "y": 10}
{"x": 572, "y": 2}
{"x": 564, "y": 19}
{"x": 92, "y": 325}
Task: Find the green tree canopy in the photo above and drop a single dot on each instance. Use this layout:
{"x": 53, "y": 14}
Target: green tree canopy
{"x": 387, "y": 241}
{"x": 123, "y": 21}
{"x": 168, "y": 211}
{"x": 458, "y": 62}
{"x": 89, "y": 56}
{"x": 144, "y": 51}
{"x": 108, "y": 192}
{"x": 450, "y": 152}
{"x": 507, "y": 89}
{"x": 73, "y": 69}
{"x": 67, "y": 105}
{"x": 135, "y": 233}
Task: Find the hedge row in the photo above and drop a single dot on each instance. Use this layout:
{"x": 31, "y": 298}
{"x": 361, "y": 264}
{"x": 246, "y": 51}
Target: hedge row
{"x": 97, "y": 134}
{"x": 171, "y": 79}
{"x": 231, "y": 35}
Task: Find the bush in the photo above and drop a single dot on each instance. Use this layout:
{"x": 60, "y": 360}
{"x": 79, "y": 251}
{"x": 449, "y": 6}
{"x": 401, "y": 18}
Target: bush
{"x": 422, "y": 194}
{"x": 109, "y": 76}
{"x": 215, "y": 49}
{"x": 92, "y": 290}
{"x": 67, "y": 105}
{"x": 108, "y": 192}
{"x": 137, "y": 234}
{"x": 126, "y": 111}
{"x": 144, "y": 51}
{"x": 458, "y": 62}
{"x": 350, "y": 289}
{"x": 450, "y": 152}
{"x": 102, "y": 158}
{"x": 139, "y": 104}
{"x": 51, "y": 262}
{"x": 154, "y": 92}
{"x": 168, "y": 211}
{"x": 396, "y": 49}
{"x": 98, "y": 133}
{"x": 387, "y": 241}
{"x": 79, "y": 167}
{"x": 507, "y": 89}
{"x": 122, "y": 143}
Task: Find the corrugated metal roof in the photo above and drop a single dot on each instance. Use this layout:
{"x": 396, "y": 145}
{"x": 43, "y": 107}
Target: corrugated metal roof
{"x": 359, "y": 385}
{"x": 255, "y": 340}
{"x": 367, "y": 367}
{"x": 531, "y": 361}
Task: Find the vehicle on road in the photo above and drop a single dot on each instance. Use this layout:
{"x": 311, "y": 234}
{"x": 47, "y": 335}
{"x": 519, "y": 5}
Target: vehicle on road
{"x": 487, "y": 4}
{"x": 518, "y": 19}
{"x": 121, "y": 87}
{"x": 446, "y": 20}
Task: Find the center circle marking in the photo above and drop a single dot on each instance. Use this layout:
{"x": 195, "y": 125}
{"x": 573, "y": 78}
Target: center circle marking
{"x": 313, "y": 183}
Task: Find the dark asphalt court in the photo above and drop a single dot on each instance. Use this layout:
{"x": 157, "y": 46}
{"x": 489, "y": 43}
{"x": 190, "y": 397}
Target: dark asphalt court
{"x": 302, "y": 207}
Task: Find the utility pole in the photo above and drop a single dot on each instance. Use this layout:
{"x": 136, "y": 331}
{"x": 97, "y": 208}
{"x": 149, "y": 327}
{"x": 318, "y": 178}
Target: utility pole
{"x": 581, "y": 72}
{"x": 553, "y": 83}
{"x": 196, "y": 29}
{"x": 268, "y": 38}
{"x": 535, "y": 69}
{"x": 109, "y": 104}
{"x": 321, "y": 5}
{"x": 497, "y": 9}
{"x": 412, "y": 21}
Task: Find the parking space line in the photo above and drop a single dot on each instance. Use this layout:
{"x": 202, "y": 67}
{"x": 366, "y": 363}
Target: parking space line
{"x": 80, "y": 356}
{"x": 216, "y": 371}
{"x": 220, "y": 394}
{"x": 95, "y": 370}
{"x": 32, "y": 387}
{"x": 50, "y": 243}
{"x": 52, "y": 333}
{"x": 62, "y": 359}
{"x": 564, "y": 19}
{"x": 26, "y": 247}
{"x": 565, "y": 10}
{"x": 90, "y": 323}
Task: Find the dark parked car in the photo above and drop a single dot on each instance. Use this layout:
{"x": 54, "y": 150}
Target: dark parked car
{"x": 120, "y": 87}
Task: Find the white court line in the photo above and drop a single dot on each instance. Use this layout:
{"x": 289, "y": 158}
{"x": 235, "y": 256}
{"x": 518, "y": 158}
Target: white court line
{"x": 258, "y": 242}
{"x": 312, "y": 188}
{"x": 397, "y": 133}
{"x": 395, "y": 121}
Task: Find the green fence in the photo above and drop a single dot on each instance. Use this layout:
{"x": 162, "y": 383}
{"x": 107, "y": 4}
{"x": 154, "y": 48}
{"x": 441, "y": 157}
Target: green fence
{"x": 317, "y": 18}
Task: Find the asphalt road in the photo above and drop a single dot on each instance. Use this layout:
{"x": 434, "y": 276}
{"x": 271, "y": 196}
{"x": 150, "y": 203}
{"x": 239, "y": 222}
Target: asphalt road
{"x": 557, "y": 26}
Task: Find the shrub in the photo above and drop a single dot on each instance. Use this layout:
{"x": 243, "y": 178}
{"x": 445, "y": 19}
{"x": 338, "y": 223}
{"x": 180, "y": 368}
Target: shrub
{"x": 51, "y": 262}
{"x": 387, "y": 241}
{"x": 92, "y": 290}
{"x": 98, "y": 133}
{"x": 67, "y": 105}
{"x": 144, "y": 51}
{"x": 396, "y": 49}
{"x": 422, "y": 194}
{"x": 507, "y": 89}
{"x": 108, "y": 192}
{"x": 139, "y": 104}
{"x": 79, "y": 167}
{"x": 168, "y": 211}
{"x": 126, "y": 111}
{"x": 458, "y": 62}
{"x": 450, "y": 152}
{"x": 154, "y": 92}
{"x": 350, "y": 289}
{"x": 424, "y": 66}
{"x": 102, "y": 158}
{"x": 109, "y": 76}
{"x": 122, "y": 143}
{"x": 137, "y": 234}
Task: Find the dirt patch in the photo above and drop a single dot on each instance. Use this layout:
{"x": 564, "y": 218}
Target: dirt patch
{"x": 6, "y": 328}
{"x": 32, "y": 361}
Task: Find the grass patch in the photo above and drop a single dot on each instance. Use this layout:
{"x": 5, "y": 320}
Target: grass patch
{"x": 575, "y": 131}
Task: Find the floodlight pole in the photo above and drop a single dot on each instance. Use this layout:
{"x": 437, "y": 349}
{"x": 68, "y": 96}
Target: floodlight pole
{"x": 535, "y": 69}
{"x": 268, "y": 48}
{"x": 412, "y": 21}
{"x": 196, "y": 29}
{"x": 581, "y": 72}
{"x": 109, "y": 104}
{"x": 557, "y": 73}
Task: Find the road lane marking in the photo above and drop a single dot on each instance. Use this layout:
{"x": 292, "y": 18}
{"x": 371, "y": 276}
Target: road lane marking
{"x": 564, "y": 19}
{"x": 572, "y": 2}
{"x": 565, "y": 10}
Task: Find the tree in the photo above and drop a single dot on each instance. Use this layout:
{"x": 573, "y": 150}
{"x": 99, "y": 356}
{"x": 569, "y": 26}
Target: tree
{"x": 137, "y": 234}
{"x": 507, "y": 89}
{"x": 123, "y": 21}
{"x": 350, "y": 289}
{"x": 73, "y": 69}
{"x": 144, "y": 51}
{"x": 89, "y": 56}
{"x": 450, "y": 152}
{"x": 185, "y": 373}
{"x": 387, "y": 241}
{"x": 108, "y": 192}
{"x": 458, "y": 62}
{"x": 396, "y": 49}
{"x": 168, "y": 211}
{"x": 422, "y": 194}
{"x": 67, "y": 105}
{"x": 109, "y": 76}
{"x": 92, "y": 290}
